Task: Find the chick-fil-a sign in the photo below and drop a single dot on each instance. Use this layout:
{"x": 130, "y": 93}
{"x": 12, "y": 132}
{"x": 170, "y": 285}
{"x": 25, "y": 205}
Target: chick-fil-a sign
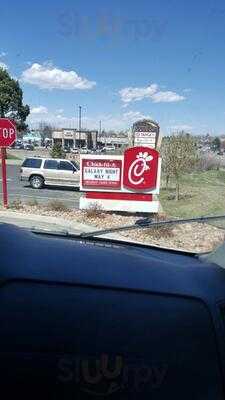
{"x": 140, "y": 168}
{"x": 135, "y": 171}
{"x": 128, "y": 182}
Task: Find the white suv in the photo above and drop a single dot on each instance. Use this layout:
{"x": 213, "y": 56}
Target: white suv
{"x": 50, "y": 171}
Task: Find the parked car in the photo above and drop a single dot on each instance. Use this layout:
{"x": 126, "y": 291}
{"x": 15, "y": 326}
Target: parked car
{"x": 67, "y": 149}
{"x": 57, "y": 172}
{"x": 109, "y": 148}
{"x": 29, "y": 147}
{"x": 75, "y": 150}
{"x": 84, "y": 150}
{"x": 101, "y": 150}
{"x": 18, "y": 146}
{"x": 94, "y": 150}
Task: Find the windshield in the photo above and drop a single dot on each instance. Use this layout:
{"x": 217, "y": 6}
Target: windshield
{"x": 143, "y": 127}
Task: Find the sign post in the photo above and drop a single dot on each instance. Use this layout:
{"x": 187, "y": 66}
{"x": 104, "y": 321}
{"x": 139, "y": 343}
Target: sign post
{"x": 7, "y": 138}
{"x": 4, "y": 180}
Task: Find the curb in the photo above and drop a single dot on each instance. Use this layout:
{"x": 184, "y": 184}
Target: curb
{"x": 58, "y": 224}
{"x": 33, "y": 220}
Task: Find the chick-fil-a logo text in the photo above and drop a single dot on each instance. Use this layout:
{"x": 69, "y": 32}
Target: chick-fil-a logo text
{"x": 140, "y": 168}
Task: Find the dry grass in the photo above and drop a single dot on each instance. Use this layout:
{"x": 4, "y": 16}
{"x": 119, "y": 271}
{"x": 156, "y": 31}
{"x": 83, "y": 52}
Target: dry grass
{"x": 94, "y": 211}
{"x": 203, "y": 194}
{"x": 56, "y": 205}
{"x": 32, "y": 203}
{"x": 16, "y": 204}
{"x": 158, "y": 232}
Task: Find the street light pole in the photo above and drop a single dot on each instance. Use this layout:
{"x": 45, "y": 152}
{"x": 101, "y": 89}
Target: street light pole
{"x": 79, "y": 124}
{"x": 99, "y": 133}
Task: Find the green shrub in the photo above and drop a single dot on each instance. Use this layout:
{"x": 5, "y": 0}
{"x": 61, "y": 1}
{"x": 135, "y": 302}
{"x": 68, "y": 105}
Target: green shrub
{"x": 57, "y": 151}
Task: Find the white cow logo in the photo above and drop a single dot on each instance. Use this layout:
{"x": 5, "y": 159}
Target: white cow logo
{"x": 138, "y": 167}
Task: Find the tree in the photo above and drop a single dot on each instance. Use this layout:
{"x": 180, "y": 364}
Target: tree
{"x": 57, "y": 151}
{"x": 216, "y": 144}
{"x": 46, "y": 131}
{"x": 166, "y": 165}
{"x": 11, "y": 100}
{"x": 223, "y": 144}
{"x": 179, "y": 155}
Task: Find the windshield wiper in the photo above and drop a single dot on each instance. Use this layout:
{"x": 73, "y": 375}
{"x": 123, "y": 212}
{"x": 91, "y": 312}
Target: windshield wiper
{"x": 148, "y": 223}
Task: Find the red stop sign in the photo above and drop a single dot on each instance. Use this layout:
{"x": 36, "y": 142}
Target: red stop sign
{"x": 7, "y": 132}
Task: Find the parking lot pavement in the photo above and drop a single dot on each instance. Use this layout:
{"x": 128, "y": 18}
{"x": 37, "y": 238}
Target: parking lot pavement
{"x": 21, "y": 154}
{"x": 22, "y": 191}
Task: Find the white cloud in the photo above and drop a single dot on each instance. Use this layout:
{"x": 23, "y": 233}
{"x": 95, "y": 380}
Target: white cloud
{"x": 166, "y": 97}
{"x": 47, "y": 76}
{"x": 135, "y": 94}
{"x": 39, "y": 110}
{"x": 182, "y": 127}
{"x": 59, "y": 116}
{"x": 152, "y": 92}
{"x": 3, "y": 65}
{"x": 188, "y": 90}
{"x": 134, "y": 116}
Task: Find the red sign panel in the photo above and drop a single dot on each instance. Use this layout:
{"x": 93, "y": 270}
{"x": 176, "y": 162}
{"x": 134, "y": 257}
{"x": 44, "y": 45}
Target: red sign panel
{"x": 101, "y": 173}
{"x": 140, "y": 168}
{"x": 7, "y": 132}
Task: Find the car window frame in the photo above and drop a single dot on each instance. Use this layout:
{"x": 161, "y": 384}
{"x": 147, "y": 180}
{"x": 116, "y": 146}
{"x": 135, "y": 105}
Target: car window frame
{"x": 52, "y": 169}
{"x": 32, "y": 166}
{"x": 67, "y": 162}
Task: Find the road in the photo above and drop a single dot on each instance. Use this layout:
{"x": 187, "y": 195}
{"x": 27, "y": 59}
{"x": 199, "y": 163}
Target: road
{"x": 22, "y": 190}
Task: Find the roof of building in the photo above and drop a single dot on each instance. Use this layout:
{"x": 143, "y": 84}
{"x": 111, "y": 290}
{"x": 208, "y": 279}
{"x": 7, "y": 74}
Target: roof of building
{"x": 32, "y": 135}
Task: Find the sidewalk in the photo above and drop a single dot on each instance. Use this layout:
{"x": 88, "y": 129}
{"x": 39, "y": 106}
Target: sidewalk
{"x": 55, "y": 224}
{"x": 42, "y": 222}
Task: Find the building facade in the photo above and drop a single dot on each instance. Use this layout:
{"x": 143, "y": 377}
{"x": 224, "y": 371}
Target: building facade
{"x": 33, "y": 137}
{"x": 73, "y": 138}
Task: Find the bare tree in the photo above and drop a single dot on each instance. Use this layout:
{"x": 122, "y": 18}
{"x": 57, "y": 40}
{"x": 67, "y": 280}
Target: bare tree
{"x": 179, "y": 155}
{"x": 45, "y": 130}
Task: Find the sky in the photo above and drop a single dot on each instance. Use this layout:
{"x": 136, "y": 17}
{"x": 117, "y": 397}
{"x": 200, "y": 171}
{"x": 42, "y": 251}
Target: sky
{"x": 120, "y": 60}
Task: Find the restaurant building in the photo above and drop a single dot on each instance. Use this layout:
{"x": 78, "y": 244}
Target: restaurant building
{"x": 73, "y": 138}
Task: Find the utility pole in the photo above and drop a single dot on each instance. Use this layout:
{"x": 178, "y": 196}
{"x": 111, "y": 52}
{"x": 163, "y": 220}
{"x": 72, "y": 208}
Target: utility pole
{"x": 99, "y": 133}
{"x": 80, "y": 108}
